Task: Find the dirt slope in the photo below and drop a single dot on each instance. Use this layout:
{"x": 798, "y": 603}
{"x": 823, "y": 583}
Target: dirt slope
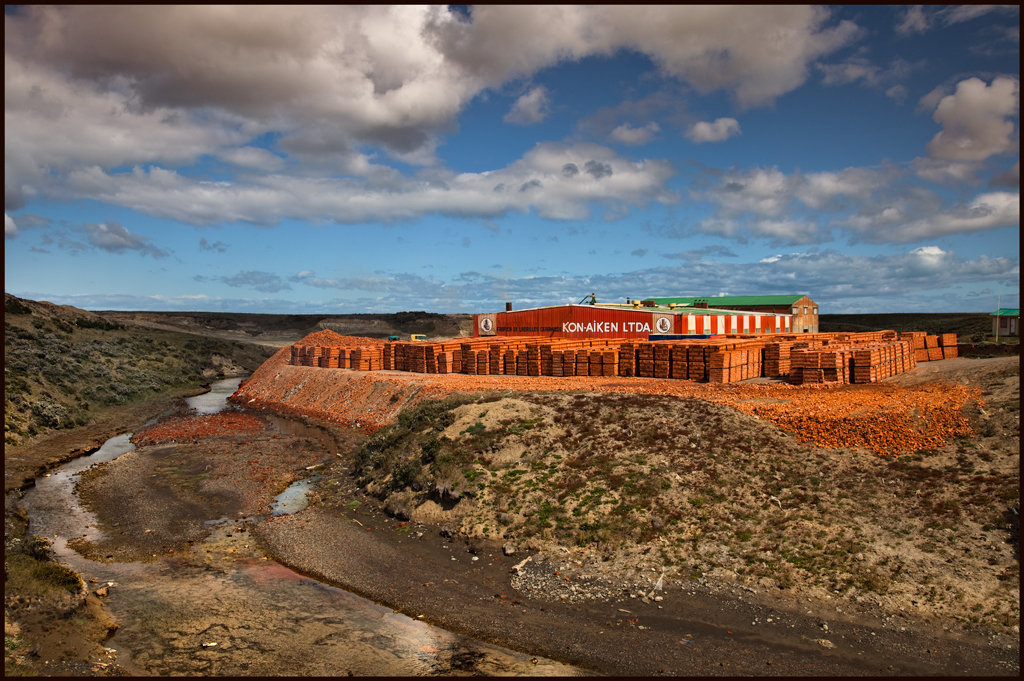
{"x": 765, "y": 485}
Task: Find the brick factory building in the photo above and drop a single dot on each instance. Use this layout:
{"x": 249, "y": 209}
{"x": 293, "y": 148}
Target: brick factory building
{"x": 636, "y": 320}
{"x": 803, "y": 310}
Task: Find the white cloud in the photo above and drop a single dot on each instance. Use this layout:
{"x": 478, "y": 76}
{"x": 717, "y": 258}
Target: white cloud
{"x": 827, "y": 189}
{"x": 255, "y": 158}
{"x": 986, "y": 211}
{"x": 714, "y": 131}
{"x": 850, "y": 72}
{"x": 913, "y": 21}
{"x": 265, "y": 282}
{"x": 1008, "y": 178}
{"x": 788, "y": 232}
{"x": 929, "y": 101}
{"x": 947, "y": 172}
{"x": 626, "y": 134}
{"x": 174, "y": 84}
{"x": 925, "y": 278}
{"x": 976, "y": 120}
{"x": 897, "y": 93}
{"x": 218, "y": 246}
{"x": 114, "y": 237}
{"x": 538, "y": 182}
{"x": 10, "y": 228}
{"x": 961, "y": 13}
{"x": 764, "y": 192}
{"x": 917, "y": 19}
{"x": 889, "y": 79}
{"x": 530, "y": 108}
{"x": 877, "y": 205}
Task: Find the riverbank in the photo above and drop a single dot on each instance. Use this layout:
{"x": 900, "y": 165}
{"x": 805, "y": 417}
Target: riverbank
{"x": 473, "y": 588}
{"x": 622, "y": 624}
{"x": 617, "y": 612}
{"x": 54, "y": 623}
{"x": 26, "y": 462}
{"x": 599, "y": 610}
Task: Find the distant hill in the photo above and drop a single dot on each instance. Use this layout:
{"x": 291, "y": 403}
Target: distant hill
{"x": 970, "y": 327}
{"x": 276, "y": 330}
{"x": 62, "y": 365}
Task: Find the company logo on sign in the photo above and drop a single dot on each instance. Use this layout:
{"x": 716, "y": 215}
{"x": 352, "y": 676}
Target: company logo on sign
{"x": 605, "y": 327}
{"x": 486, "y": 325}
{"x": 663, "y": 324}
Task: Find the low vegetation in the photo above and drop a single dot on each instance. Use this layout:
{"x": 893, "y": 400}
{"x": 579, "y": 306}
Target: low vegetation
{"x": 61, "y": 364}
{"x": 705, "y": 492}
{"x": 969, "y": 327}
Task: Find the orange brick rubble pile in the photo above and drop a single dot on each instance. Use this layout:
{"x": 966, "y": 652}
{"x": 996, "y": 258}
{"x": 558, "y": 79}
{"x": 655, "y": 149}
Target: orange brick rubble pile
{"x": 882, "y": 418}
{"x": 803, "y": 358}
{"x": 194, "y": 427}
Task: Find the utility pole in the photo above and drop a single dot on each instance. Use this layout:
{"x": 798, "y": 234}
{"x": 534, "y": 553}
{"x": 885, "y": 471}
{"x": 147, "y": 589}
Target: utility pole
{"x": 998, "y": 319}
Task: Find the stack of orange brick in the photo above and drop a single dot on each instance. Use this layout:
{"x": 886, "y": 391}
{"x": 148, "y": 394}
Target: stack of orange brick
{"x": 803, "y": 358}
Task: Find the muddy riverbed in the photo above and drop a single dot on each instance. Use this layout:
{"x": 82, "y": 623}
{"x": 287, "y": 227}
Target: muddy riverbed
{"x": 191, "y": 590}
{"x": 203, "y": 578}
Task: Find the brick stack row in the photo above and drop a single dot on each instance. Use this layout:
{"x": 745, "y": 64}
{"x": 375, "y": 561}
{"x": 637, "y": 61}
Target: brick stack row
{"x": 876, "y": 362}
{"x": 931, "y": 348}
{"x": 803, "y": 358}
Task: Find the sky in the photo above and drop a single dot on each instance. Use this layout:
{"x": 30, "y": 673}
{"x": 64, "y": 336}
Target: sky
{"x": 450, "y": 159}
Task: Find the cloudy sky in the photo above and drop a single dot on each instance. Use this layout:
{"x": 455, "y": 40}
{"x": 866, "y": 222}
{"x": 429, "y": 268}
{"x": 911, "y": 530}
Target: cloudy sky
{"x": 365, "y": 159}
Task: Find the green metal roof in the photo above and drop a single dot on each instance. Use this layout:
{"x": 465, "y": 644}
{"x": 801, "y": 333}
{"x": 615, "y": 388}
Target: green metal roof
{"x": 730, "y": 300}
{"x": 1006, "y": 312}
{"x": 664, "y": 310}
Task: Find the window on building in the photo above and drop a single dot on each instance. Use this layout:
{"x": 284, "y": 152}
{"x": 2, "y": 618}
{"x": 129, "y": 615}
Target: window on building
{"x": 815, "y": 311}
{"x": 796, "y": 310}
{"x": 805, "y": 309}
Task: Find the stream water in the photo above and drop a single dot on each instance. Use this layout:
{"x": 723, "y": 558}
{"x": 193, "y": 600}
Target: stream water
{"x": 242, "y": 614}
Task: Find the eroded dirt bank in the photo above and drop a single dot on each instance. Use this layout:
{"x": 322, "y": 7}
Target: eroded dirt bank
{"x": 597, "y": 605}
{"x": 423, "y": 569}
{"x": 731, "y": 598}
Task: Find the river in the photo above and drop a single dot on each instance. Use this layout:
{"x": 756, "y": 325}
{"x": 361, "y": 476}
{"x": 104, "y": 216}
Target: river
{"x": 225, "y": 609}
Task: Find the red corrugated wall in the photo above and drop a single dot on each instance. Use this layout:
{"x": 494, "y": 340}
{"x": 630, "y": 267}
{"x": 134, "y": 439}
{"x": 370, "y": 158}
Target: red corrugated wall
{"x": 584, "y": 321}
{"x": 572, "y": 321}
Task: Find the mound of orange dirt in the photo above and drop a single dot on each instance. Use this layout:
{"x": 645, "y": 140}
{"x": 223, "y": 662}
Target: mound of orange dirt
{"x": 332, "y": 339}
{"x": 194, "y": 427}
{"x": 882, "y": 418}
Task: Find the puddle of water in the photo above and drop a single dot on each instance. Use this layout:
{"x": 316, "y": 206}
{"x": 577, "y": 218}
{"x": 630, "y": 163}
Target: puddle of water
{"x": 294, "y": 498}
{"x": 247, "y": 616}
{"x": 301, "y": 429}
{"x": 216, "y": 399}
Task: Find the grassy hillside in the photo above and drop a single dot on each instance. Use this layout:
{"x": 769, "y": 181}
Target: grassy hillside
{"x": 286, "y": 328}
{"x": 971, "y": 327}
{"x": 62, "y": 363}
{"x": 699, "y": 490}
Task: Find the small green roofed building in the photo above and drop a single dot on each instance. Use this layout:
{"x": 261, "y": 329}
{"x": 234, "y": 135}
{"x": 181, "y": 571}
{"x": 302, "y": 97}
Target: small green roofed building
{"x": 1006, "y": 321}
{"x": 803, "y": 309}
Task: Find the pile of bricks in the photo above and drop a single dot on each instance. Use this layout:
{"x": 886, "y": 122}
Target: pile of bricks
{"x": 932, "y": 348}
{"x": 803, "y": 358}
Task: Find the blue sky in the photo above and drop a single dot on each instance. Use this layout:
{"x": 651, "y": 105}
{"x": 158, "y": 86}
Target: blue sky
{"x": 378, "y": 159}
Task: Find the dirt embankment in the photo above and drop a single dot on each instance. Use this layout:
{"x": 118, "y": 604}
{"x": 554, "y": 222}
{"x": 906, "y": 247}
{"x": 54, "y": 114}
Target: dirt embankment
{"x": 894, "y": 496}
{"x": 801, "y": 554}
{"x": 580, "y": 576}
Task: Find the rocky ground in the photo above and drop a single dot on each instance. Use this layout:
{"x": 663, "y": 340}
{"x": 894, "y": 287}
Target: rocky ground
{"x": 925, "y": 581}
{"x": 910, "y": 558}
{"x": 729, "y": 558}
